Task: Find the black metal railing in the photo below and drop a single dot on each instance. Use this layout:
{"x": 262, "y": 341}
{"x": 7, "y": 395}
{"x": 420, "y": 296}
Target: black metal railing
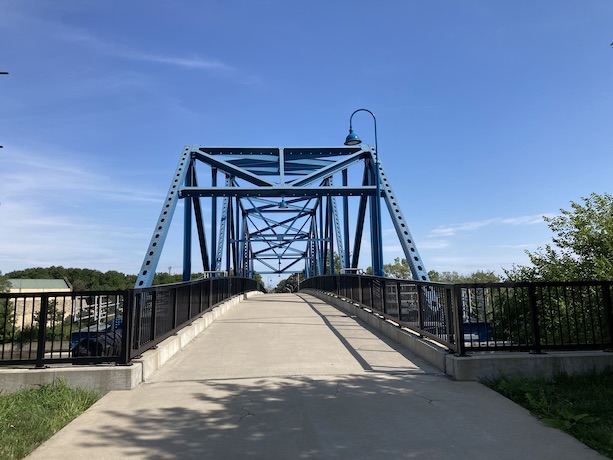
{"x": 160, "y": 311}
{"x": 57, "y": 327}
{"x": 487, "y": 317}
{"x": 103, "y": 326}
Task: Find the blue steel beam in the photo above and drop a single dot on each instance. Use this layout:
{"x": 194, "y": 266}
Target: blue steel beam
{"x": 154, "y": 251}
{"x": 288, "y": 191}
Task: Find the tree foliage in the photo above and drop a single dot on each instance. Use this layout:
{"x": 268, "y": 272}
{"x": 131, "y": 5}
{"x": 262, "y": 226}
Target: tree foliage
{"x": 581, "y": 248}
{"x": 479, "y": 276}
{"x": 6, "y": 312}
{"x": 258, "y": 279}
{"x": 81, "y": 279}
{"x": 4, "y": 283}
{"x": 400, "y": 269}
{"x": 289, "y": 284}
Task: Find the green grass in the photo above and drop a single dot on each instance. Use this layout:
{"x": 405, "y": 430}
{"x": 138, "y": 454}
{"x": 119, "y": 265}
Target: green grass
{"x": 29, "y": 417}
{"x": 581, "y": 405}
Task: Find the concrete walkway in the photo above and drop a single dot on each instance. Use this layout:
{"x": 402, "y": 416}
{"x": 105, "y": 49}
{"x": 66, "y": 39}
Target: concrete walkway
{"x": 285, "y": 376}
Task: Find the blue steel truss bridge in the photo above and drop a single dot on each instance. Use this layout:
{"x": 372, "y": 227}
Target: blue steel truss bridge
{"x": 291, "y": 210}
{"x": 272, "y": 210}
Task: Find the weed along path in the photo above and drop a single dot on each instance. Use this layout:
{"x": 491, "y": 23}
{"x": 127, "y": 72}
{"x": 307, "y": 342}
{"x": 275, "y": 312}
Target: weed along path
{"x": 283, "y": 376}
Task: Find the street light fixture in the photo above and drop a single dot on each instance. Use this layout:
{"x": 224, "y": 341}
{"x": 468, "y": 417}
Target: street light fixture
{"x": 353, "y": 139}
{"x": 283, "y": 204}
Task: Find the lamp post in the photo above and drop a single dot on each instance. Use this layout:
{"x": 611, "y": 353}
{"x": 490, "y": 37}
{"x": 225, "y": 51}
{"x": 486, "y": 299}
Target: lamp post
{"x": 3, "y": 73}
{"x": 353, "y": 139}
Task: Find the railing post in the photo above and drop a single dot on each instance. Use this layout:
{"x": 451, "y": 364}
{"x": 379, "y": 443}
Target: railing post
{"x": 360, "y": 289}
{"x": 42, "y": 331}
{"x": 177, "y": 303}
{"x": 383, "y": 292}
{"x": 449, "y": 326}
{"x": 534, "y": 320}
{"x": 420, "y": 305}
{"x": 126, "y": 326}
{"x": 608, "y": 315}
{"x": 398, "y": 301}
{"x": 458, "y": 317}
{"x": 189, "y": 302}
{"x": 210, "y": 293}
{"x": 153, "y": 323}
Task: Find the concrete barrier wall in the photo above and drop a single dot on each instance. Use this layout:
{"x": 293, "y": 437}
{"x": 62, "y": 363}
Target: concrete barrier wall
{"x": 105, "y": 378}
{"x": 476, "y": 366}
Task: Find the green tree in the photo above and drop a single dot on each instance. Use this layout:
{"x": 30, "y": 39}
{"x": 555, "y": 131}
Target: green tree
{"x": 581, "y": 248}
{"x": 399, "y": 269}
{"x": 81, "y": 279}
{"x": 258, "y": 278}
{"x": 454, "y": 277}
{"x": 6, "y": 312}
{"x": 5, "y": 286}
{"x": 337, "y": 264}
{"x": 166, "y": 278}
{"x": 289, "y": 284}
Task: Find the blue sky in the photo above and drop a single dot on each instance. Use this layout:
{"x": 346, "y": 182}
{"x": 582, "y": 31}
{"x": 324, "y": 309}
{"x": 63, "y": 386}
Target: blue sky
{"x": 490, "y": 114}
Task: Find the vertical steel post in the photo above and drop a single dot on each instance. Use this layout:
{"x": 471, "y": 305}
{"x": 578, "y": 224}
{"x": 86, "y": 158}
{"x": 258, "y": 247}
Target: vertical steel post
{"x": 449, "y": 327}
{"x": 127, "y": 325}
{"x": 321, "y": 263}
{"x": 458, "y": 317}
{"x": 376, "y": 234}
{"x": 383, "y": 293}
{"x": 534, "y": 320}
{"x": 398, "y": 300}
{"x": 42, "y": 331}
{"x": 421, "y": 301}
{"x": 608, "y": 314}
{"x": 331, "y": 233}
{"x": 213, "y": 221}
{"x": 187, "y": 225}
{"x": 346, "y": 220}
{"x": 228, "y": 236}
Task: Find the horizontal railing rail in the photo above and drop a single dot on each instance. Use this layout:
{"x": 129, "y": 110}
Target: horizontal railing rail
{"x": 465, "y": 318}
{"x": 103, "y": 326}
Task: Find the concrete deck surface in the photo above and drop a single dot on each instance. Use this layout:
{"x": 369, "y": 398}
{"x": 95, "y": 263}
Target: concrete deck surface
{"x": 286, "y": 376}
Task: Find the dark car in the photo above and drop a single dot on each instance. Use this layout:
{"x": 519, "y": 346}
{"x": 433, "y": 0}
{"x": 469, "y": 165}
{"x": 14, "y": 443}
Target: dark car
{"x": 94, "y": 341}
{"x": 99, "y": 344}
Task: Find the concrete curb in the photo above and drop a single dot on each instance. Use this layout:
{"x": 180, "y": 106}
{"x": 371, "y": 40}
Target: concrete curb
{"x": 490, "y": 365}
{"x": 478, "y": 366}
{"x": 109, "y": 378}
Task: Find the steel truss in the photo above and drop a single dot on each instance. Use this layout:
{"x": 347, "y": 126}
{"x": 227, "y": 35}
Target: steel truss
{"x": 278, "y": 208}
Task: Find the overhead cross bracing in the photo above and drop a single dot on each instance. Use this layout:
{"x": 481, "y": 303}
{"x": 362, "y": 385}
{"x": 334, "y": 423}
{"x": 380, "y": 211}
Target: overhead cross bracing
{"x": 276, "y": 210}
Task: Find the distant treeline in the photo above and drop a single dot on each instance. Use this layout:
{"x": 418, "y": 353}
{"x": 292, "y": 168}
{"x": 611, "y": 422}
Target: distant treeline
{"x": 84, "y": 279}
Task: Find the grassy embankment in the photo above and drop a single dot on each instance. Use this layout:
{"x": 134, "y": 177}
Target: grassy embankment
{"x": 581, "y": 405}
{"x": 29, "y": 417}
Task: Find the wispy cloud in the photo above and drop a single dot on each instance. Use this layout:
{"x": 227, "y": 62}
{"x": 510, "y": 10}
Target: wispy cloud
{"x": 190, "y": 63}
{"x": 35, "y": 176}
{"x": 123, "y": 51}
{"x": 450, "y": 230}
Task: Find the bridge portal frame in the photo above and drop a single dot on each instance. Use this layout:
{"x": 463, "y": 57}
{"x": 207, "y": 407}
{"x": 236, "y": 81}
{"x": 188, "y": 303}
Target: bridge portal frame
{"x": 277, "y": 204}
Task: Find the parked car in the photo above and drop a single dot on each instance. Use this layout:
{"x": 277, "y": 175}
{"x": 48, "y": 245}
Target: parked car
{"x": 97, "y": 341}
